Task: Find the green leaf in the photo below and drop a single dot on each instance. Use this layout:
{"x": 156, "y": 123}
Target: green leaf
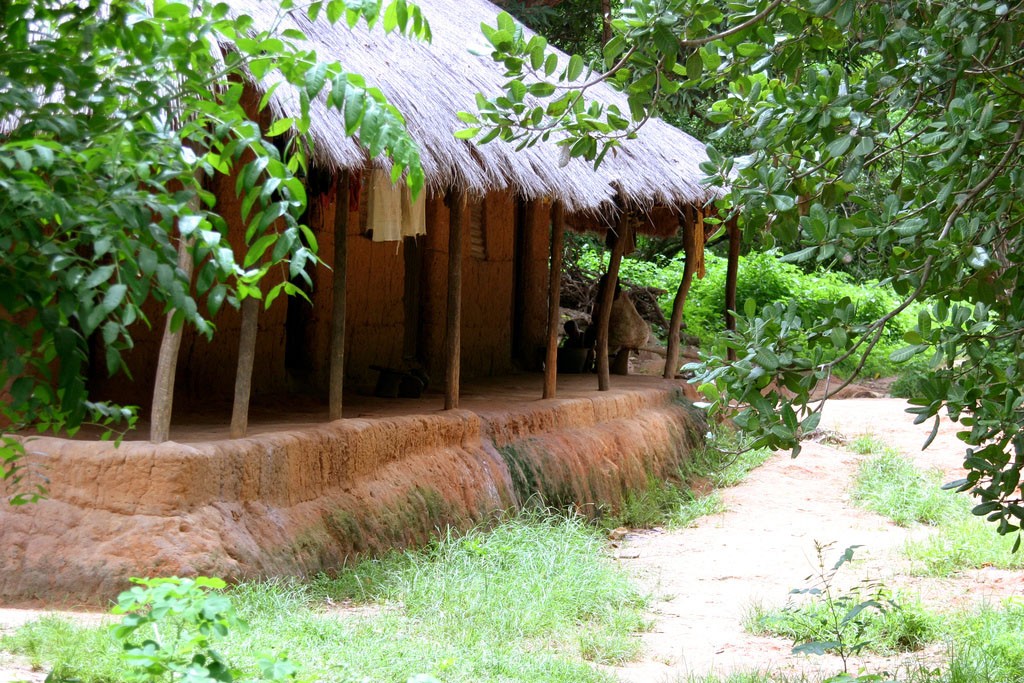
{"x": 113, "y": 298}
{"x": 838, "y": 147}
{"x": 810, "y": 423}
{"x": 574, "y": 69}
{"x": 550, "y": 64}
{"x": 99, "y": 276}
{"x": 766, "y": 358}
{"x": 355, "y": 107}
{"x": 259, "y": 247}
{"x": 783, "y": 202}
{"x": 905, "y": 353}
{"x": 279, "y": 126}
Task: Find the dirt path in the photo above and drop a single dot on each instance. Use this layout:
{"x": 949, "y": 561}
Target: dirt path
{"x": 706, "y": 577}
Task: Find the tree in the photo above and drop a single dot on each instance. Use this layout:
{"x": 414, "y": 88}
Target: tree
{"x": 930, "y": 95}
{"x": 574, "y": 26}
{"x": 112, "y": 114}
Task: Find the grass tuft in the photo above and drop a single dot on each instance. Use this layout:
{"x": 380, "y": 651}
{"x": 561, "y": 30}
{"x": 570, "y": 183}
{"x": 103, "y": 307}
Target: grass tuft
{"x": 889, "y": 484}
{"x": 866, "y": 444}
{"x": 722, "y": 463}
{"x": 987, "y": 645}
{"x": 663, "y": 503}
{"x": 965, "y": 542}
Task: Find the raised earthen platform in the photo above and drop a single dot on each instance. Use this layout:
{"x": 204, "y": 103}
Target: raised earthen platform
{"x": 302, "y": 495}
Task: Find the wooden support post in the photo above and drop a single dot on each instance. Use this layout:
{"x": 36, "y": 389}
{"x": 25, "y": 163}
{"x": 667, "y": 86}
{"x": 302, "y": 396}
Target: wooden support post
{"x": 340, "y": 295}
{"x": 607, "y": 298}
{"x": 554, "y": 298}
{"x": 731, "y": 276}
{"x": 689, "y": 249}
{"x": 606, "y": 22}
{"x": 246, "y": 360}
{"x": 167, "y": 360}
{"x": 453, "y": 332}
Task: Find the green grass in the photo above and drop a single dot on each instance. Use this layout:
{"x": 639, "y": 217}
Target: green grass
{"x": 746, "y": 677}
{"x": 663, "y": 503}
{"x": 988, "y": 645}
{"x": 725, "y": 461}
{"x": 966, "y": 542}
{"x": 866, "y": 444}
{"x": 722, "y": 463}
{"x": 888, "y": 483}
{"x": 54, "y": 644}
{"x": 534, "y": 599}
{"x": 985, "y": 645}
{"x": 900, "y": 626}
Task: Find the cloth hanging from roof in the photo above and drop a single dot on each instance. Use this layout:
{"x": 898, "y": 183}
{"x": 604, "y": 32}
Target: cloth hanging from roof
{"x": 391, "y": 213}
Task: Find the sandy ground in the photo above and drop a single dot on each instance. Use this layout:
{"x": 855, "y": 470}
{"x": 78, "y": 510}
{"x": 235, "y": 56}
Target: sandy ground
{"x": 706, "y": 577}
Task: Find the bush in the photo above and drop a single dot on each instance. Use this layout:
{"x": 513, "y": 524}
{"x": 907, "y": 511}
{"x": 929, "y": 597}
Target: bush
{"x": 765, "y": 279}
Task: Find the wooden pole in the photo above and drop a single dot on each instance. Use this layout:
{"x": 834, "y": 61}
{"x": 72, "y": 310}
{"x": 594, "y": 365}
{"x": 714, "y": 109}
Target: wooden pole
{"x": 689, "y": 244}
{"x": 731, "y": 276}
{"x": 607, "y": 298}
{"x": 167, "y": 360}
{"x": 453, "y": 340}
{"x": 554, "y": 298}
{"x": 340, "y": 295}
{"x": 246, "y": 360}
{"x": 606, "y": 22}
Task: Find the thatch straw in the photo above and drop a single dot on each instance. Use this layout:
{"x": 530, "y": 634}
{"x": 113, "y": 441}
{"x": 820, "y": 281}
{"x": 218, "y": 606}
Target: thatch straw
{"x": 430, "y": 83}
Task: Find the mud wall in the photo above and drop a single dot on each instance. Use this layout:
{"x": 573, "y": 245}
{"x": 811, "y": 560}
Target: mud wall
{"x": 487, "y": 286}
{"x": 308, "y": 501}
{"x": 374, "y": 321}
{"x": 532, "y": 307}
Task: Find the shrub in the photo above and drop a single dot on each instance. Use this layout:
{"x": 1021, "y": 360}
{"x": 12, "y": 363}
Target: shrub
{"x": 765, "y": 279}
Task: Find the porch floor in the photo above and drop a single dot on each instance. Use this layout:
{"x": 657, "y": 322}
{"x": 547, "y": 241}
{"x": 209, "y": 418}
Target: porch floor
{"x": 488, "y": 396}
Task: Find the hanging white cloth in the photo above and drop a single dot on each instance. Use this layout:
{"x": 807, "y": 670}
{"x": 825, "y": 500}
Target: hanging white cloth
{"x": 391, "y": 213}
{"x": 384, "y": 208}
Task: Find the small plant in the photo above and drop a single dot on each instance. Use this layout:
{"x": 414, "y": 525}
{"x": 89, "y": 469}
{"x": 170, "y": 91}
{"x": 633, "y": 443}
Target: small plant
{"x": 169, "y": 630}
{"x": 834, "y": 622}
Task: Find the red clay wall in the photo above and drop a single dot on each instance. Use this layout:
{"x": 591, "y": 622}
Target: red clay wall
{"x": 374, "y": 320}
{"x": 305, "y": 501}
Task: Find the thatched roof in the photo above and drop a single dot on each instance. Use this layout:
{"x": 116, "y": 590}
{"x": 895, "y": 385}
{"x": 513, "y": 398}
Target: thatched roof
{"x": 430, "y": 83}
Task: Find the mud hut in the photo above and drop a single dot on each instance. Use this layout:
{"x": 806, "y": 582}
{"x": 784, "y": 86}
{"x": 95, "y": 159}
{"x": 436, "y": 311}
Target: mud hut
{"x": 462, "y": 294}
{"x": 398, "y": 295}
